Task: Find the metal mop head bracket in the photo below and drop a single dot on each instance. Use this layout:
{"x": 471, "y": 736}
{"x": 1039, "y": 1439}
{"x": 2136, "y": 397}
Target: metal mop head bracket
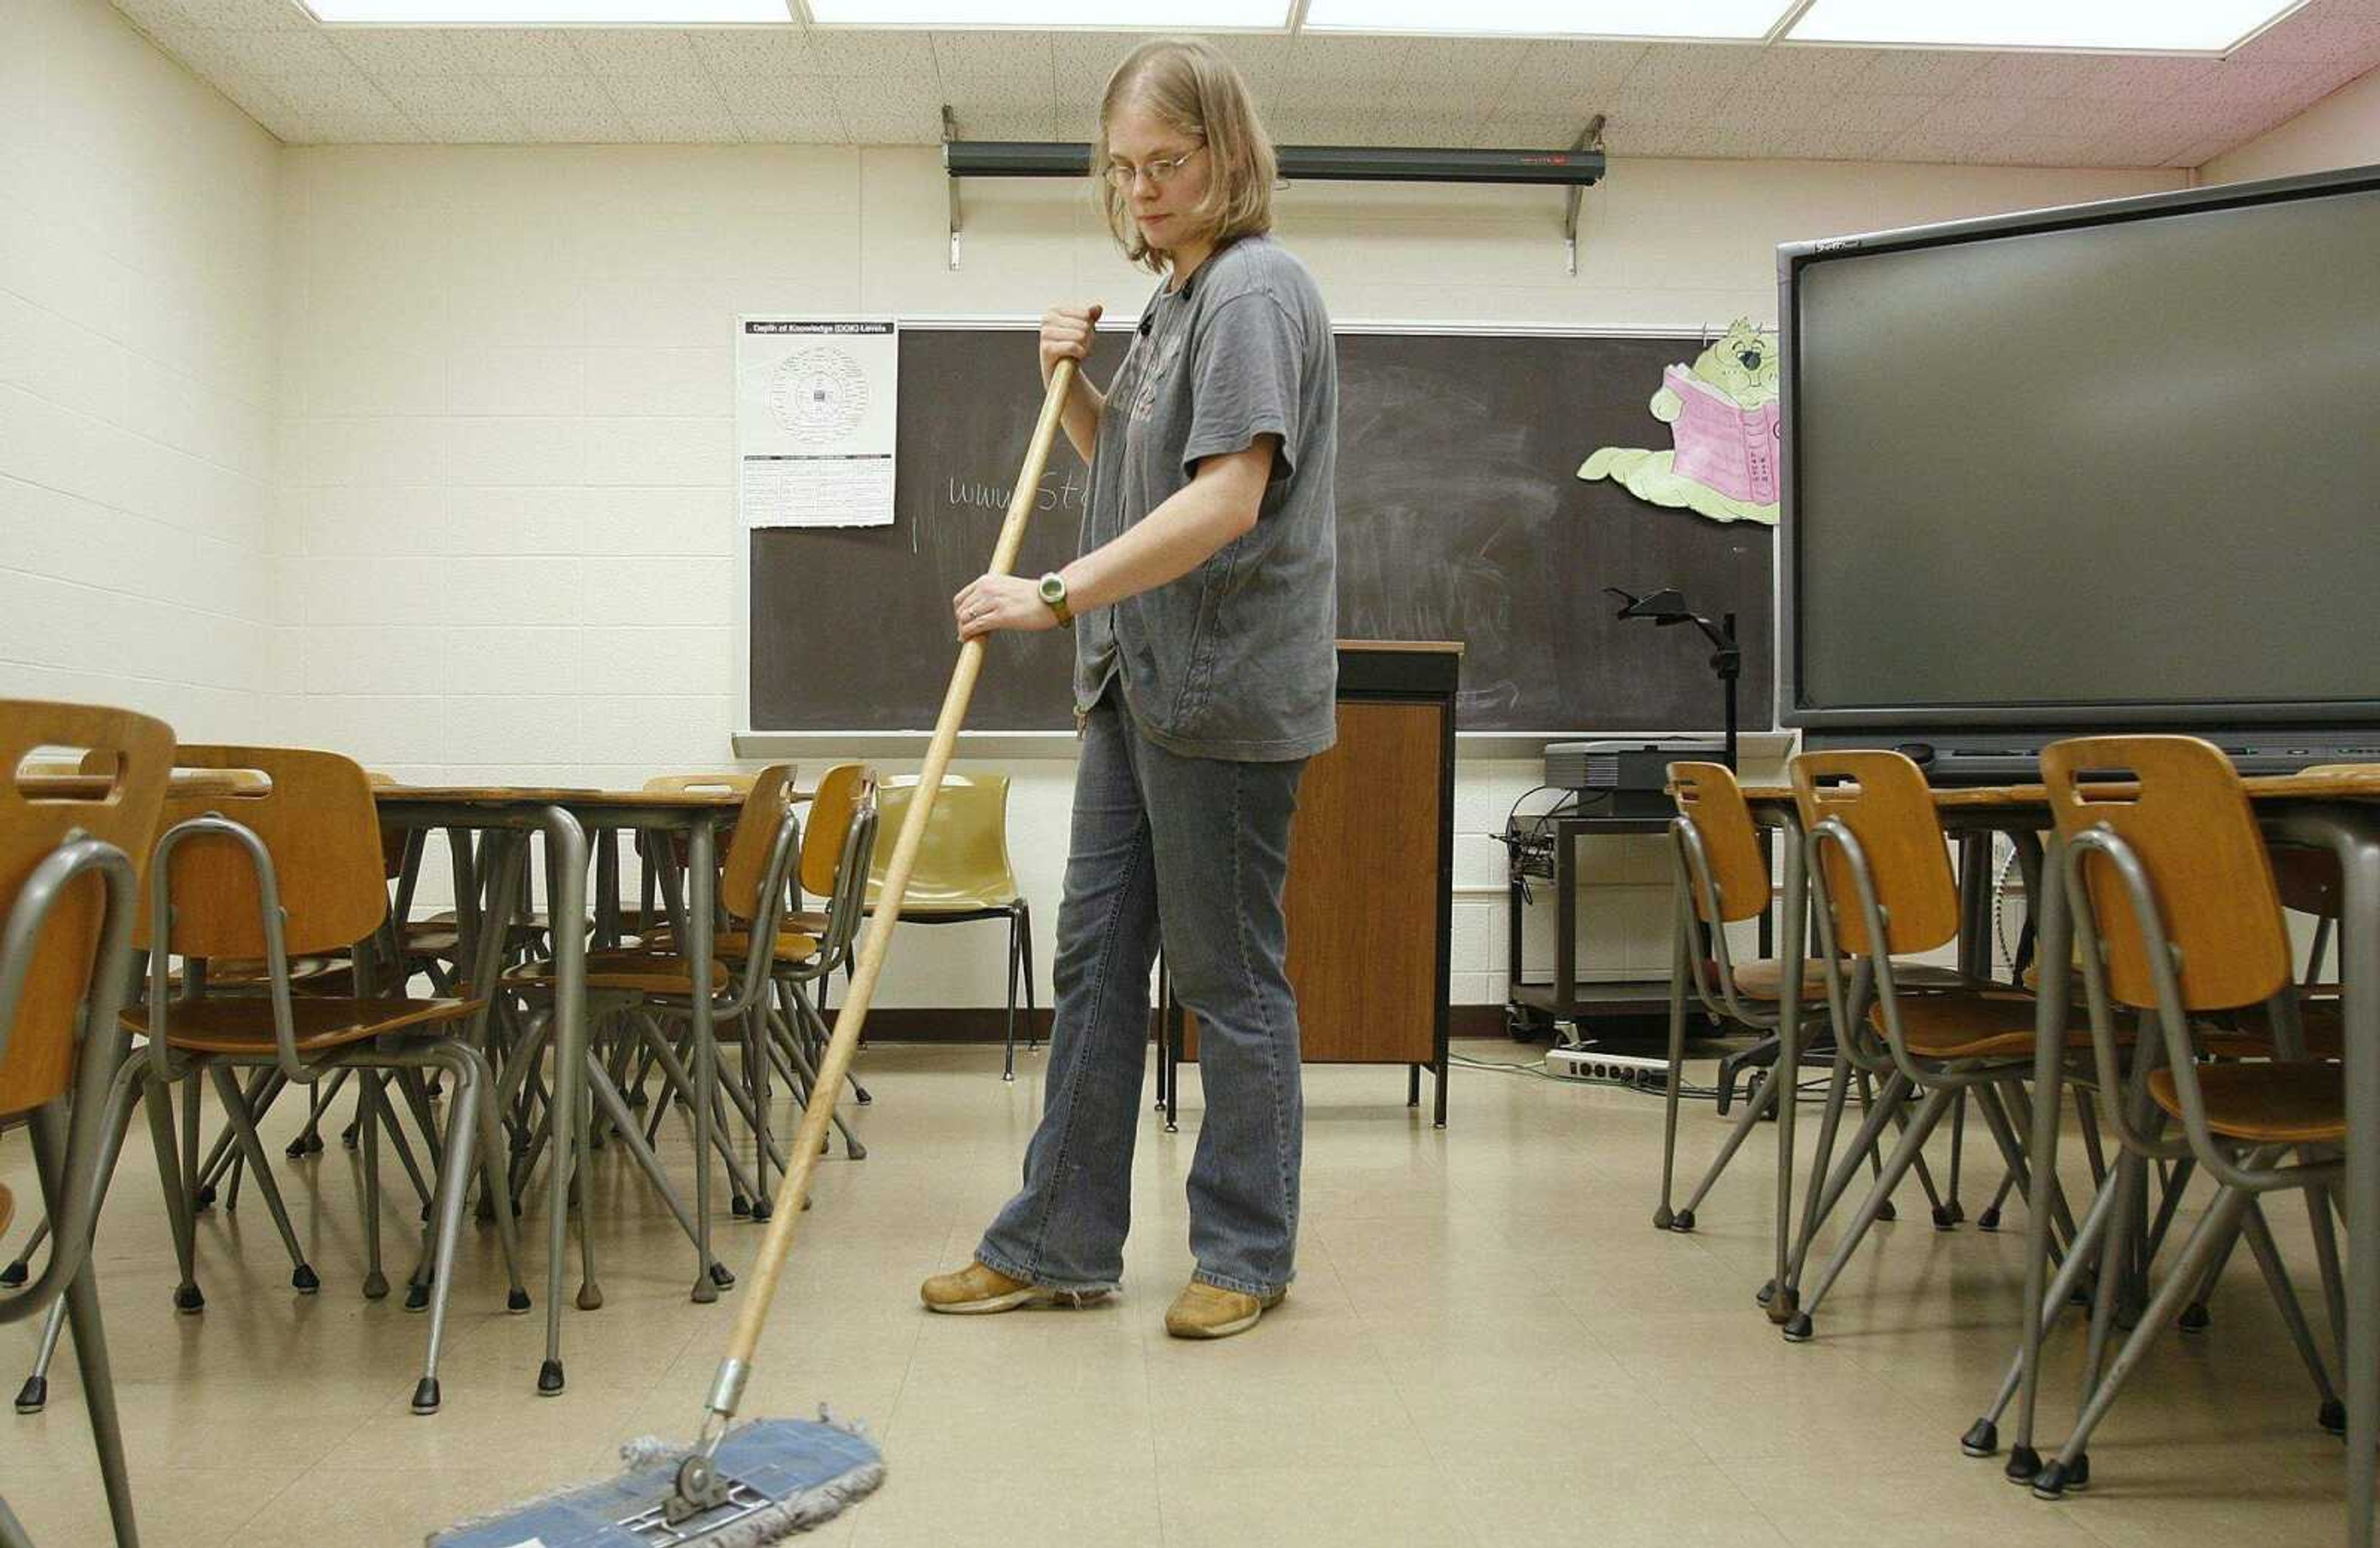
{"x": 777, "y": 1476}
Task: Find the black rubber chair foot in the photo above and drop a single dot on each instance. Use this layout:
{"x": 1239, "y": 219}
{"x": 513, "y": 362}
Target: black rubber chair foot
{"x": 1008, "y": 1077}
{"x": 855, "y": 1151}
{"x": 1989, "y": 1220}
{"x": 33, "y": 1396}
{"x": 1784, "y": 1306}
{"x": 2333, "y": 1417}
{"x": 13, "y": 1275}
{"x": 2194, "y": 1318}
{"x": 347, "y": 1137}
{"x": 517, "y": 1302}
{"x": 417, "y": 1298}
{"x": 187, "y": 1299}
{"x": 1766, "y": 1293}
{"x": 2060, "y": 1479}
{"x": 1798, "y": 1329}
{"x": 1982, "y": 1439}
{"x": 721, "y": 1277}
{"x": 1663, "y": 1218}
{"x": 205, "y": 1198}
{"x": 425, "y": 1396}
{"x": 636, "y": 1098}
{"x": 590, "y": 1297}
{"x": 296, "y": 1150}
{"x": 1684, "y": 1221}
{"x": 865, "y": 1100}
{"x": 762, "y": 1209}
{"x": 549, "y": 1378}
{"x": 1957, "y": 1210}
{"x": 1886, "y": 1211}
{"x": 2024, "y": 1465}
{"x": 304, "y": 1280}
{"x": 375, "y": 1286}
{"x": 740, "y": 1207}
{"x": 1943, "y": 1219}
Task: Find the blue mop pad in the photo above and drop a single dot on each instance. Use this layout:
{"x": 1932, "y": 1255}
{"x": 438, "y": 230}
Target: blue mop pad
{"x": 784, "y": 1476}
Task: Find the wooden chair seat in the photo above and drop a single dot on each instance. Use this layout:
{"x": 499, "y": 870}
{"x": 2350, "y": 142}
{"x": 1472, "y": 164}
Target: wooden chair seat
{"x": 1972, "y": 1024}
{"x": 2266, "y": 1103}
{"x": 7, "y": 1208}
{"x": 629, "y": 970}
{"x": 245, "y": 1026}
{"x": 730, "y": 945}
{"x": 427, "y": 938}
{"x": 1762, "y": 979}
{"x": 249, "y": 972}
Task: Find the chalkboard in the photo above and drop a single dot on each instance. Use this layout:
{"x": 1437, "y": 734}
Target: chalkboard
{"x": 1461, "y": 516}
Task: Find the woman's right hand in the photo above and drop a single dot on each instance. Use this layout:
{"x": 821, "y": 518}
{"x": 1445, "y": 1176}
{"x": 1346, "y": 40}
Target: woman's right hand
{"x": 1066, "y": 335}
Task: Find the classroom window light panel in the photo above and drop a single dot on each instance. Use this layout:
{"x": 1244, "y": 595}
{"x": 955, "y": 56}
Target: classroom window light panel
{"x": 1212, "y": 16}
{"x": 2131, "y": 26}
{"x": 1738, "y": 20}
{"x": 549, "y": 13}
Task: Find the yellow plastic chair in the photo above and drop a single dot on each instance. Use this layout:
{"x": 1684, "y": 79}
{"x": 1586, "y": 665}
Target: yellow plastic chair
{"x": 962, "y": 875}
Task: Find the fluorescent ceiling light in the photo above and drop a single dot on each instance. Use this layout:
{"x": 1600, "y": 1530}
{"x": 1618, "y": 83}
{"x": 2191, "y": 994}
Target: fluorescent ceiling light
{"x": 546, "y": 13}
{"x": 1211, "y": 15}
{"x": 2192, "y": 26}
{"x": 1581, "y": 18}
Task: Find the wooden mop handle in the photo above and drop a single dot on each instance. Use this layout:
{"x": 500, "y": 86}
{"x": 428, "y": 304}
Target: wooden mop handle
{"x": 761, "y": 1287}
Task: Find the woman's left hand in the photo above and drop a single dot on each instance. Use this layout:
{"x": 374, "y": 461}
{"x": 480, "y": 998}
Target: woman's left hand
{"x": 991, "y": 604}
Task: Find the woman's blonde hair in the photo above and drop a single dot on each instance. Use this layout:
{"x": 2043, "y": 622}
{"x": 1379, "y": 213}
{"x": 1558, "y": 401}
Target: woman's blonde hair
{"x": 1188, "y": 85}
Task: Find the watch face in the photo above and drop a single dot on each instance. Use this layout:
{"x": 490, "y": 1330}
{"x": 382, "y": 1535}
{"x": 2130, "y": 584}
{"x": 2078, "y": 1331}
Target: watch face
{"x": 1053, "y": 589}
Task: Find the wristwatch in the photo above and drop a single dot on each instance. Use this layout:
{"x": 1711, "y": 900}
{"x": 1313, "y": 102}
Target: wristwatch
{"x": 1053, "y": 595}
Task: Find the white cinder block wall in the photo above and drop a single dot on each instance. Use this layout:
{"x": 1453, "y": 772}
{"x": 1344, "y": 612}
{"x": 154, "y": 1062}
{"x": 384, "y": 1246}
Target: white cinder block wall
{"x": 501, "y": 540}
{"x": 137, "y": 274}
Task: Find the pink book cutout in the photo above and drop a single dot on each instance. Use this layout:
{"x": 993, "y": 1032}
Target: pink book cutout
{"x": 1720, "y": 444}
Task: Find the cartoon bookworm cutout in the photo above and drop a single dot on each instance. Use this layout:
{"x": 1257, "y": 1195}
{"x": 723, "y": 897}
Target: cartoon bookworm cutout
{"x": 1722, "y": 419}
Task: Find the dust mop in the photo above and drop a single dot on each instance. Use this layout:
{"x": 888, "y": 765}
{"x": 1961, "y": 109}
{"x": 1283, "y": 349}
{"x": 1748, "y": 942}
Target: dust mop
{"x": 739, "y": 1486}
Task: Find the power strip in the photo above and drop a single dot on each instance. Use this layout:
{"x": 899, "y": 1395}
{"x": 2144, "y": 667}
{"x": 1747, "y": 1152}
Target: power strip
{"x": 1598, "y": 1064}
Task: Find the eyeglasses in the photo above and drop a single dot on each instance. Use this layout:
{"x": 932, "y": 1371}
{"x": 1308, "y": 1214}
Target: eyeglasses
{"x": 1123, "y": 175}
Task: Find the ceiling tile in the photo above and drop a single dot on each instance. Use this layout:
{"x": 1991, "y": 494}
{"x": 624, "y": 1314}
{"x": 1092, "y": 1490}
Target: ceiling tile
{"x": 321, "y": 97}
{"x": 579, "y": 129}
{"x": 2087, "y": 74}
{"x": 1418, "y": 130}
{"x": 997, "y": 94}
{"x": 1082, "y": 61}
{"x": 636, "y": 51}
{"x": 1794, "y": 69}
{"x": 988, "y": 51}
{"x": 406, "y": 51}
{"x": 261, "y": 101}
{"x": 148, "y": 14}
{"x": 470, "y": 128}
{"x": 1626, "y": 135}
{"x": 538, "y": 97}
{"x": 665, "y": 96}
{"x": 363, "y": 128}
{"x": 888, "y": 112}
{"x": 1346, "y": 58}
{"x": 907, "y": 56}
{"x": 1453, "y": 70}
{"x": 285, "y": 52}
{"x": 520, "y": 51}
{"x": 1682, "y": 82}
{"x": 1013, "y": 123}
{"x": 418, "y": 95}
{"x": 760, "y": 96}
{"x": 1923, "y": 72}
{"x": 1562, "y": 77}
{"x": 2292, "y": 81}
{"x": 819, "y": 124}
{"x": 670, "y": 129}
{"x": 726, "y": 50}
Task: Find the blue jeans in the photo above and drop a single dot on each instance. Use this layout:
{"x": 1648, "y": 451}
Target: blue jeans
{"x": 1195, "y": 851}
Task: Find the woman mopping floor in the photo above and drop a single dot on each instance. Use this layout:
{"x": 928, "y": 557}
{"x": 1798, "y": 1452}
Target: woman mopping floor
{"x": 1204, "y": 607}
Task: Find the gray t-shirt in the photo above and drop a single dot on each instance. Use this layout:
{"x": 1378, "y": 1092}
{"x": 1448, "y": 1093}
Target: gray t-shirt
{"x": 1237, "y": 658}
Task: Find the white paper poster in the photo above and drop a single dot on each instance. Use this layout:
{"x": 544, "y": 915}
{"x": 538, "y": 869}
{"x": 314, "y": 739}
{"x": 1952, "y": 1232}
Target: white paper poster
{"x": 816, "y": 404}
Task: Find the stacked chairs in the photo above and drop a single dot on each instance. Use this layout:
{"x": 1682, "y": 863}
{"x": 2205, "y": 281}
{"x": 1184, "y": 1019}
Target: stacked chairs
{"x": 70, "y": 893}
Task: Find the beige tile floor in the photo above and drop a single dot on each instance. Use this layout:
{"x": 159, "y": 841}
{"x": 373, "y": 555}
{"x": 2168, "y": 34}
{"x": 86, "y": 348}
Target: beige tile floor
{"x": 1487, "y": 1345}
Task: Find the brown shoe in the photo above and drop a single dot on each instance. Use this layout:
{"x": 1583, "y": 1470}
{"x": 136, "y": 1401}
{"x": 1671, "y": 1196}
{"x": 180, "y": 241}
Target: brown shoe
{"x": 977, "y": 1289}
{"x": 1204, "y": 1310}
